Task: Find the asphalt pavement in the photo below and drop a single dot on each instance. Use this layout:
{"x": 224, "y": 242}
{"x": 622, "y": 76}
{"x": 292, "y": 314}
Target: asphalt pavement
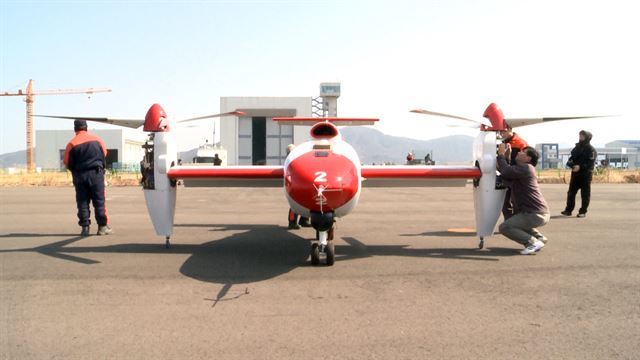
{"x": 408, "y": 282}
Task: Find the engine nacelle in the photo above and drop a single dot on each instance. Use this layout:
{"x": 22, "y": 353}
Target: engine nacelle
{"x": 161, "y": 200}
{"x": 487, "y": 199}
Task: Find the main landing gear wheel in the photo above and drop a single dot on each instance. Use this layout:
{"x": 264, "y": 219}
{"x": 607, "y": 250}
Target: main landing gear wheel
{"x": 481, "y": 243}
{"x": 315, "y": 254}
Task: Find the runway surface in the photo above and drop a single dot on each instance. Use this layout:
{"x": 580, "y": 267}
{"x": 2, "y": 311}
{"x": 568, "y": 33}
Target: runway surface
{"x": 238, "y": 284}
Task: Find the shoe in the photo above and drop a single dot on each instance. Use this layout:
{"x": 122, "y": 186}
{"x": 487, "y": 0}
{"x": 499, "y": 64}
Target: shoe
{"x": 85, "y": 231}
{"x": 581, "y": 215}
{"x": 533, "y": 248}
{"x": 566, "y": 213}
{"x": 104, "y": 230}
{"x": 542, "y": 238}
{"x": 293, "y": 226}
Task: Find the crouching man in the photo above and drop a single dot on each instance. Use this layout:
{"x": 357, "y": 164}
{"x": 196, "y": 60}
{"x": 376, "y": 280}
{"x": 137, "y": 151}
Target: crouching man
{"x": 530, "y": 208}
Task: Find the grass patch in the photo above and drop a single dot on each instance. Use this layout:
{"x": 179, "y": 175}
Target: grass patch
{"x": 600, "y": 176}
{"x": 63, "y": 179}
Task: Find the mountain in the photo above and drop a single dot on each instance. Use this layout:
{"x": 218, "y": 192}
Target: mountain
{"x": 375, "y": 147}
{"x": 13, "y": 159}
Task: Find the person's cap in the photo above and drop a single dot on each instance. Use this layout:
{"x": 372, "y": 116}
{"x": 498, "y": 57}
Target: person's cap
{"x": 77, "y": 124}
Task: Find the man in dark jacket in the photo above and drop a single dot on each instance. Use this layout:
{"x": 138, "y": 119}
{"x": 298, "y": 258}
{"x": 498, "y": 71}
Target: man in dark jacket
{"x": 85, "y": 156}
{"x": 582, "y": 160}
{"x": 530, "y": 208}
{"x": 216, "y": 160}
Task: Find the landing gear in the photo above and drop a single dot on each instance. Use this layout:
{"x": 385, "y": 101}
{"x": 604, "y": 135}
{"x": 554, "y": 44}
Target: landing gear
{"x": 481, "y": 243}
{"x": 167, "y": 243}
{"x": 324, "y": 245}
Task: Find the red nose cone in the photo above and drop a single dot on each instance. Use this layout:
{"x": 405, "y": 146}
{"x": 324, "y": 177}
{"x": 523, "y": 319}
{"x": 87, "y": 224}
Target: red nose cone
{"x": 322, "y": 183}
{"x": 155, "y": 121}
{"x": 495, "y": 115}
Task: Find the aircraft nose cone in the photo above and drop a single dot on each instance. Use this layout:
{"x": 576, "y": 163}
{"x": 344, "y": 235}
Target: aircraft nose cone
{"x": 321, "y": 184}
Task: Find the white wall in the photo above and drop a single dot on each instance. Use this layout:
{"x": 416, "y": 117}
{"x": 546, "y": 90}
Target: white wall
{"x": 49, "y": 143}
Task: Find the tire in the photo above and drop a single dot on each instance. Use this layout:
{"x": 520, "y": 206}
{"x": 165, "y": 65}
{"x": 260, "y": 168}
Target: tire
{"x": 315, "y": 254}
{"x": 330, "y": 251}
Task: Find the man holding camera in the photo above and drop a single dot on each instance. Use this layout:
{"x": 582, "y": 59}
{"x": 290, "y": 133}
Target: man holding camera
{"x": 516, "y": 144}
{"x": 530, "y": 208}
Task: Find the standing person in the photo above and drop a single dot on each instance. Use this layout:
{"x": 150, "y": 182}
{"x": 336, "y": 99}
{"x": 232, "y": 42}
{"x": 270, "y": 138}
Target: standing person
{"x": 516, "y": 144}
{"x": 85, "y": 157}
{"x": 216, "y": 160}
{"x": 582, "y": 160}
{"x": 531, "y": 210}
{"x": 428, "y": 161}
{"x": 296, "y": 221}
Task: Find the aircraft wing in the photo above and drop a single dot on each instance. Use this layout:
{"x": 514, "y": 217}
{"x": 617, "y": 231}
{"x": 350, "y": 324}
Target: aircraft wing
{"x": 228, "y": 176}
{"x": 418, "y": 176}
{"x": 130, "y": 123}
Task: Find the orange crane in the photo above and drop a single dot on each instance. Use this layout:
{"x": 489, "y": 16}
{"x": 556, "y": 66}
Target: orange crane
{"x": 29, "y": 98}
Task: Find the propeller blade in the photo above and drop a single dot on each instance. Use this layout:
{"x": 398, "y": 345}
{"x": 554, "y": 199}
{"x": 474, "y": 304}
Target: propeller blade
{"x": 130, "y": 123}
{"x": 231, "y": 113}
{"x": 465, "y": 126}
{"x": 516, "y": 122}
{"x": 428, "y": 112}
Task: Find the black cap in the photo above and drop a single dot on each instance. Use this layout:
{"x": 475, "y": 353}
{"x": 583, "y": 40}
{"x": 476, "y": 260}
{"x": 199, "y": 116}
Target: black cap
{"x": 79, "y": 124}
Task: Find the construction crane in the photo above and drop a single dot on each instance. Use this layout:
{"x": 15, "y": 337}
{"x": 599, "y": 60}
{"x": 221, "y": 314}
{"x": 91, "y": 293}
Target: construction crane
{"x": 29, "y": 98}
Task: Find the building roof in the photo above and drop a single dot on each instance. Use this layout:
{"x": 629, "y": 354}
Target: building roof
{"x": 619, "y": 143}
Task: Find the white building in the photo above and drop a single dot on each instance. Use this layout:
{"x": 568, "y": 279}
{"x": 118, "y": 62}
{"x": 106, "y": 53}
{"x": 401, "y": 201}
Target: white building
{"x": 622, "y": 154}
{"x": 124, "y": 147}
{"x": 204, "y": 154}
{"x": 255, "y": 139}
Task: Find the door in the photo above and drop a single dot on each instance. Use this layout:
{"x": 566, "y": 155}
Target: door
{"x": 259, "y": 140}
{"x": 244, "y": 141}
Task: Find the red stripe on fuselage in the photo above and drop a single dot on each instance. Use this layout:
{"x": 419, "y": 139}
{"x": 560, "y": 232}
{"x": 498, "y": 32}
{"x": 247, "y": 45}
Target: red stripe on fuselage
{"x": 334, "y": 173}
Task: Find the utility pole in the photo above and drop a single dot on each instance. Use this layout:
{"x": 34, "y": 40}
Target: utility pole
{"x": 29, "y": 98}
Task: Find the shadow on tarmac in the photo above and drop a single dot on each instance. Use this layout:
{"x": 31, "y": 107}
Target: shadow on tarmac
{"x": 257, "y": 253}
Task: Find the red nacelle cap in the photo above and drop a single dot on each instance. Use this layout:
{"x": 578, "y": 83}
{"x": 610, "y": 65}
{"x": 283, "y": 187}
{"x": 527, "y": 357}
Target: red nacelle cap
{"x": 495, "y": 115}
{"x": 155, "y": 120}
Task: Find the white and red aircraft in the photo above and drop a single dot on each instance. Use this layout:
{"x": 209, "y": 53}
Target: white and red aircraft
{"x": 322, "y": 177}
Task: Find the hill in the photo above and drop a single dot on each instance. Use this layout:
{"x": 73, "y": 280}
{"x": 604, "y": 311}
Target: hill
{"x": 375, "y": 147}
{"x": 13, "y": 159}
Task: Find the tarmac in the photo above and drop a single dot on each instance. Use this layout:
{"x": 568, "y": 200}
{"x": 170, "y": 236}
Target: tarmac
{"x": 408, "y": 282}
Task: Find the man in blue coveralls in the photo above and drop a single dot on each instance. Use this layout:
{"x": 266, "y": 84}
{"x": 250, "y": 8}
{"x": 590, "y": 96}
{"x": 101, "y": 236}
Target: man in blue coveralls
{"x": 85, "y": 157}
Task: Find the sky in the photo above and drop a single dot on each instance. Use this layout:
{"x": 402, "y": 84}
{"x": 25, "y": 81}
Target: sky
{"x": 532, "y": 58}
